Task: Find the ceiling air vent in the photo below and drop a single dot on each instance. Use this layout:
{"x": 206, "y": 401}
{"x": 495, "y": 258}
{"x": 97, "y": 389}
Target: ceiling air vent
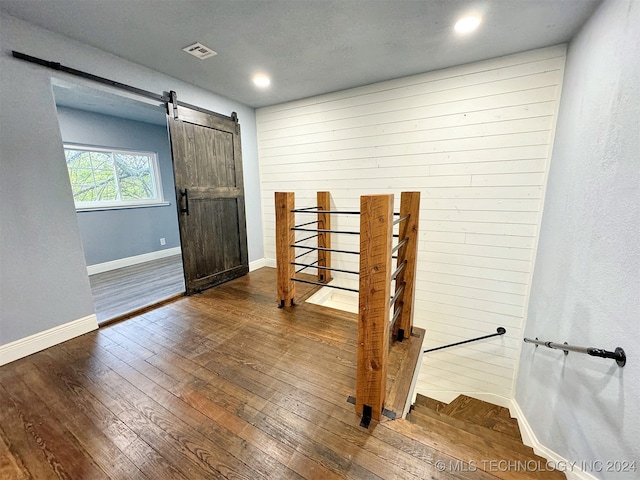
{"x": 199, "y": 51}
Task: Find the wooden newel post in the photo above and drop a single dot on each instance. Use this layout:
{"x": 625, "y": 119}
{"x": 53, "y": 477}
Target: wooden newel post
{"x": 409, "y": 206}
{"x": 324, "y": 238}
{"x": 285, "y": 253}
{"x": 376, "y": 234}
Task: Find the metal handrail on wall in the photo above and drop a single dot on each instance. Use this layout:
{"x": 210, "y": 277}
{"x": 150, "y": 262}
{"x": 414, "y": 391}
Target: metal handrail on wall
{"x": 499, "y": 331}
{"x": 618, "y": 355}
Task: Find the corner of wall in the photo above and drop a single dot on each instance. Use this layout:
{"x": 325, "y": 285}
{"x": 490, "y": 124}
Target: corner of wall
{"x": 572, "y": 469}
{"x": 545, "y": 184}
{"x": 256, "y": 264}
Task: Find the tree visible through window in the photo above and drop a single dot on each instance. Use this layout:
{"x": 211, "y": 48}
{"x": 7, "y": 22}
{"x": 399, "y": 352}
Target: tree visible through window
{"x": 111, "y": 178}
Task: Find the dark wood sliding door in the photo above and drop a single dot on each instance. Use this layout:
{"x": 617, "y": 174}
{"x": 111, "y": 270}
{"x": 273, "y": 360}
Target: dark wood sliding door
{"x": 207, "y": 162}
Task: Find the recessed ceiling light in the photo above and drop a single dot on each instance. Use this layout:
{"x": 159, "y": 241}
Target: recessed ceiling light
{"x": 467, "y": 24}
{"x": 261, "y": 81}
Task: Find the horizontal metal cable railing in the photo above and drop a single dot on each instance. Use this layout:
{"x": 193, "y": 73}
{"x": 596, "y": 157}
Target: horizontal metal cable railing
{"x": 381, "y": 286}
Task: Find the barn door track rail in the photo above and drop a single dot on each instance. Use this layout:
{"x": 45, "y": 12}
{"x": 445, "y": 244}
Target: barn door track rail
{"x": 166, "y": 97}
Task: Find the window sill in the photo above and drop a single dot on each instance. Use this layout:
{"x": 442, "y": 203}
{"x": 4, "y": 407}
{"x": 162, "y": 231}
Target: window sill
{"x": 121, "y": 207}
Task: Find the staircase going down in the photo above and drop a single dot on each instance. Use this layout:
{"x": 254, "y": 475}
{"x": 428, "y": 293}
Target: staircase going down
{"x": 479, "y": 437}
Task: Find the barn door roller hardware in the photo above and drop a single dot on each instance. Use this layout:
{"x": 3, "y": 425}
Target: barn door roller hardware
{"x": 164, "y": 98}
{"x": 173, "y": 99}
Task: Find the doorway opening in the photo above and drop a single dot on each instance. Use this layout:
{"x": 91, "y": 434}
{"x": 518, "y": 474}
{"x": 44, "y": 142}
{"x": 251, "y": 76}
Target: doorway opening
{"x": 119, "y": 160}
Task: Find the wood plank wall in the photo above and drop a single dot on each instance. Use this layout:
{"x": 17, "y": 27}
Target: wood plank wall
{"x": 475, "y": 140}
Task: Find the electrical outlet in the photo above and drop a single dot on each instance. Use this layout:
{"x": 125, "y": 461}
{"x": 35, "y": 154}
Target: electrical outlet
{"x": 163, "y": 241}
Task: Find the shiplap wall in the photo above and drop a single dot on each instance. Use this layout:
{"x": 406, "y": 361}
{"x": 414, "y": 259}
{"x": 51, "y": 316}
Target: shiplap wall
{"x": 475, "y": 140}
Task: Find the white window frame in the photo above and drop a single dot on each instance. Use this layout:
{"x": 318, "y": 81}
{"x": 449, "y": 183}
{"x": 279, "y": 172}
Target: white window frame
{"x": 122, "y": 204}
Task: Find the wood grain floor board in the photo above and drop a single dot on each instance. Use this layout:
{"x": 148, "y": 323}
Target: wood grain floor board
{"x": 106, "y": 454}
{"x": 218, "y": 385}
{"x": 10, "y": 466}
{"x": 212, "y": 431}
{"x": 164, "y": 427}
{"x": 46, "y": 436}
{"x": 118, "y": 292}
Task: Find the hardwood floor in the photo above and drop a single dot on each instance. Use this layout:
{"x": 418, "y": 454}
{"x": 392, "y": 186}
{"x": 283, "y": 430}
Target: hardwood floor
{"x": 119, "y": 292}
{"x": 218, "y": 385}
{"x": 479, "y": 428}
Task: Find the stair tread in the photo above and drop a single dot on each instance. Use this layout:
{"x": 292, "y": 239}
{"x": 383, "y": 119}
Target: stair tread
{"x": 476, "y": 411}
{"x": 464, "y": 406}
{"x": 475, "y": 450}
{"x": 489, "y": 434}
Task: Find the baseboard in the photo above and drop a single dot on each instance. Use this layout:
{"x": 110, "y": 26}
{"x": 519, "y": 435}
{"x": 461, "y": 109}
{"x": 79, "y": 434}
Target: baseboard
{"x": 128, "y": 261}
{"x": 270, "y": 262}
{"x": 571, "y": 469}
{"x": 256, "y": 264}
{"x": 39, "y": 341}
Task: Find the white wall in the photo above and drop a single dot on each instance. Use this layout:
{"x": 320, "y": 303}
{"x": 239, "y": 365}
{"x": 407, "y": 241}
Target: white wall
{"x": 475, "y": 140}
{"x": 43, "y": 277}
{"x": 586, "y": 286}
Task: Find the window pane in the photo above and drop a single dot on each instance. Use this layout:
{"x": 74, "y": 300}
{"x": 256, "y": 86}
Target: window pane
{"x": 104, "y": 179}
{"x": 105, "y": 189}
{"x": 83, "y": 192}
{"x": 79, "y": 165}
{"x": 101, "y": 161}
{"x": 135, "y": 176}
{"x": 93, "y": 176}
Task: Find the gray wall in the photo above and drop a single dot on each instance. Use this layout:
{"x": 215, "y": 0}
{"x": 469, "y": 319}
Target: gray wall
{"x": 43, "y": 280}
{"x": 112, "y": 234}
{"x": 586, "y": 285}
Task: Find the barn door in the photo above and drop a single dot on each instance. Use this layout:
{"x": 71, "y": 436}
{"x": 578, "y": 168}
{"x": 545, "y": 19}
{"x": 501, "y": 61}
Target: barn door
{"x": 207, "y": 162}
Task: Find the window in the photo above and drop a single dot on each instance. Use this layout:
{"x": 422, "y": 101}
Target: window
{"x": 108, "y": 178}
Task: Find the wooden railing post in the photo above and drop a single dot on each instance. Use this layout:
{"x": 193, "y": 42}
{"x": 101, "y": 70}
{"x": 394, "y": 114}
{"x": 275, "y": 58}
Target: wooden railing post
{"x": 324, "y": 238}
{"x": 409, "y": 206}
{"x": 285, "y": 253}
{"x": 376, "y": 234}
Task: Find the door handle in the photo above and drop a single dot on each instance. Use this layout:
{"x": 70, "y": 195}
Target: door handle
{"x": 184, "y": 194}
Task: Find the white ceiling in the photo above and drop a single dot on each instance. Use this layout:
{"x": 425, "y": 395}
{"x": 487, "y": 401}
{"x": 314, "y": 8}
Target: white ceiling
{"x": 308, "y": 47}
{"x": 104, "y": 101}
